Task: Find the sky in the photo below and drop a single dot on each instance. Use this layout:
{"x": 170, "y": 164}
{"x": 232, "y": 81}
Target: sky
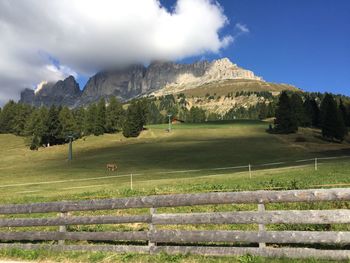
{"x": 305, "y": 43}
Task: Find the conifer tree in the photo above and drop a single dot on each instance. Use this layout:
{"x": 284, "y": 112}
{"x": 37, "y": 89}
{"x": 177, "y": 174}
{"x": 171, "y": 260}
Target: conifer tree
{"x": 68, "y": 123}
{"x": 312, "y": 112}
{"x": 285, "y": 121}
{"x": 263, "y": 111}
{"x": 7, "y": 117}
{"x": 23, "y": 111}
{"x": 153, "y": 114}
{"x": 298, "y": 109}
{"x": 343, "y": 111}
{"x": 90, "y": 119}
{"x": 196, "y": 115}
{"x": 270, "y": 110}
{"x": 114, "y": 115}
{"x": 54, "y": 127}
{"x": 100, "y": 123}
{"x": 333, "y": 126}
{"x": 136, "y": 117}
{"x": 36, "y": 128}
{"x": 79, "y": 116}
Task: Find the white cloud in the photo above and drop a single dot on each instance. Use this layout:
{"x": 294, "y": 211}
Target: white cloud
{"x": 85, "y": 35}
{"x": 242, "y": 28}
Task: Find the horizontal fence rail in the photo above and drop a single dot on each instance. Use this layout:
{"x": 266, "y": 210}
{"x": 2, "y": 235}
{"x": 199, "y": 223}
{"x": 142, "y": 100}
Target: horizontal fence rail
{"x": 244, "y": 217}
{"x": 203, "y": 242}
{"x": 246, "y": 197}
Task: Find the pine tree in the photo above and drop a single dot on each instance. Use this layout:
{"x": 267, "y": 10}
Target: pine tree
{"x": 285, "y": 121}
{"x": 79, "y": 116}
{"x": 153, "y": 115}
{"x": 312, "y": 112}
{"x": 333, "y": 126}
{"x": 23, "y": 111}
{"x": 114, "y": 115}
{"x": 36, "y": 128}
{"x": 68, "y": 123}
{"x": 90, "y": 119}
{"x": 7, "y": 117}
{"x": 298, "y": 109}
{"x": 343, "y": 111}
{"x": 271, "y": 110}
{"x": 100, "y": 123}
{"x": 263, "y": 111}
{"x": 136, "y": 117}
{"x": 196, "y": 115}
{"x": 54, "y": 127}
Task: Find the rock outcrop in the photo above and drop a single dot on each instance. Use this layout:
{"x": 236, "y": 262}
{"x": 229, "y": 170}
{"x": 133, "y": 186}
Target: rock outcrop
{"x": 134, "y": 81}
{"x": 64, "y": 92}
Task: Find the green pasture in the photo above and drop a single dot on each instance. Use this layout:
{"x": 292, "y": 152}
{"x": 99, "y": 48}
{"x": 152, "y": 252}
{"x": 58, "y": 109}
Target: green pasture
{"x": 192, "y": 158}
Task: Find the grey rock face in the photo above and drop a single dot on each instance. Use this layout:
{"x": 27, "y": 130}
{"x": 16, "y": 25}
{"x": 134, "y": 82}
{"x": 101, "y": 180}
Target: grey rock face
{"x": 133, "y": 81}
{"x": 137, "y": 80}
{"x": 27, "y": 96}
{"x": 64, "y": 92}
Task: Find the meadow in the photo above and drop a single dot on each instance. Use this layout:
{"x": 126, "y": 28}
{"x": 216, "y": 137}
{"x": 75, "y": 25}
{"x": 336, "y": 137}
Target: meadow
{"x": 190, "y": 158}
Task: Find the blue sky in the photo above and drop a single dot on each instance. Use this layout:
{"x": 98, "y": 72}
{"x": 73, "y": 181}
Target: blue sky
{"x": 301, "y": 42}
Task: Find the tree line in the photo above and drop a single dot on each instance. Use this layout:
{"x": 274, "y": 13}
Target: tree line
{"x": 330, "y": 115}
{"x": 50, "y": 126}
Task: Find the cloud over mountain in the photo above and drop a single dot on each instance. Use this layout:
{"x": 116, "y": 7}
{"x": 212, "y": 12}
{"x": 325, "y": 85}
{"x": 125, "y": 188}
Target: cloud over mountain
{"x": 48, "y": 40}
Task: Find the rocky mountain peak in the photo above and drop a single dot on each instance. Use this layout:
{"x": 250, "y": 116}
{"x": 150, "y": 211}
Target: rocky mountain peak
{"x": 136, "y": 80}
{"x": 63, "y": 92}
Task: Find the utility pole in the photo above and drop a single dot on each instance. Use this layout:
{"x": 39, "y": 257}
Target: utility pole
{"x": 316, "y": 164}
{"x": 70, "y": 147}
{"x": 169, "y": 116}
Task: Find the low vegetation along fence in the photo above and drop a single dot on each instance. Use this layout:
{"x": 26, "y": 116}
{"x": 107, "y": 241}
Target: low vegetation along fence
{"x": 261, "y": 242}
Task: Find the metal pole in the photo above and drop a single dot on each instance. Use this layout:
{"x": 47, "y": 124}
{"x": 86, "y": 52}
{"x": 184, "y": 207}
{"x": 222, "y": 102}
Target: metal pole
{"x": 169, "y": 123}
{"x": 316, "y": 164}
{"x": 250, "y": 171}
{"x": 70, "y": 151}
{"x": 131, "y": 181}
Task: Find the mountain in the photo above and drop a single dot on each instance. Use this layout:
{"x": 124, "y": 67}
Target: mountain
{"x": 157, "y": 79}
{"x": 64, "y": 92}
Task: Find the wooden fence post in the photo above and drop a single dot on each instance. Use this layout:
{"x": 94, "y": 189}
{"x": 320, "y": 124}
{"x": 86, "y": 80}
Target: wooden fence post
{"x": 62, "y": 229}
{"x": 250, "y": 171}
{"x": 152, "y": 228}
{"x": 261, "y": 208}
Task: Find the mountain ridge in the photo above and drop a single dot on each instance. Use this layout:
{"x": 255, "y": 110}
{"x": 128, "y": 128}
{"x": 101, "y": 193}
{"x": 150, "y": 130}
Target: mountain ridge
{"x": 157, "y": 79}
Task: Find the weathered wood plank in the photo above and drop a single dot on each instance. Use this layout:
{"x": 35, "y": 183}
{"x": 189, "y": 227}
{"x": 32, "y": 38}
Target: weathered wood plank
{"x": 281, "y": 237}
{"x": 261, "y": 209}
{"x": 152, "y": 227}
{"x": 62, "y": 228}
{"x": 197, "y": 250}
{"x": 77, "y": 236}
{"x": 253, "y": 217}
{"x": 105, "y": 248}
{"x": 264, "y": 252}
{"x": 179, "y": 236}
{"x": 337, "y": 194}
{"x": 22, "y": 222}
{"x": 242, "y": 217}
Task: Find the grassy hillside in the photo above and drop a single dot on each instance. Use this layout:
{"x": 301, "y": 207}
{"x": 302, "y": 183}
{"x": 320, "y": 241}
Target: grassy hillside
{"x": 155, "y": 157}
{"x": 222, "y": 88}
{"x": 185, "y": 160}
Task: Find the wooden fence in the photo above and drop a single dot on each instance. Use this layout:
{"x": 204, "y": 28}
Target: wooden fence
{"x": 204, "y": 242}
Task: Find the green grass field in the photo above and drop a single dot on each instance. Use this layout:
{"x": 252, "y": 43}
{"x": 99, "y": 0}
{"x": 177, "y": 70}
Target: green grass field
{"x": 185, "y": 160}
{"x": 156, "y": 155}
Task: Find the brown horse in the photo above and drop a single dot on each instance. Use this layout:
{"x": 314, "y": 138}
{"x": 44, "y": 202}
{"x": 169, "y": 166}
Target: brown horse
{"x": 111, "y": 167}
